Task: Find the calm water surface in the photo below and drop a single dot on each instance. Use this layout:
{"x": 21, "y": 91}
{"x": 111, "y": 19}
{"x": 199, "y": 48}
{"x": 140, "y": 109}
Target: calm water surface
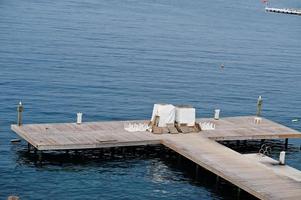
{"x": 112, "y": 60}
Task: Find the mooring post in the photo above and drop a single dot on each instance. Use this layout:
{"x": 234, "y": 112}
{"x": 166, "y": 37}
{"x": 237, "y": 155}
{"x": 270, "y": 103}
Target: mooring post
{"x": 286, "y": 143}
{"x": 259, "y": 106}
{"x": 20, "y": 109}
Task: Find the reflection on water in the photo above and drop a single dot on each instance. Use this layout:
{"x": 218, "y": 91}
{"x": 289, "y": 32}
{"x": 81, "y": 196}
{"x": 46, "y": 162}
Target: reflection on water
{"x": 160, "y": 166}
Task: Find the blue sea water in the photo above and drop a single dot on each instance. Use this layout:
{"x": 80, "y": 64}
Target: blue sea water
{"x": 112, "y": 60}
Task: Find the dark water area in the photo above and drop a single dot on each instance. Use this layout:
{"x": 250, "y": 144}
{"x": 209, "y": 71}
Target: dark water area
{"x": 112, "y": 60}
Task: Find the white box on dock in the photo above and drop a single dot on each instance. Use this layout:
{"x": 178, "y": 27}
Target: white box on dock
{"x": 166, "y": 112}
{"x": 185, "y": 115}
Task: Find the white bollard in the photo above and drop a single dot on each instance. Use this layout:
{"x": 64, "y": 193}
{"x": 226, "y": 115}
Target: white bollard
{"x": 79, "y": 118}
{"x": 216, "y": 114}
{"x": 282, "y": 158}
{"x": 257, "y": 120}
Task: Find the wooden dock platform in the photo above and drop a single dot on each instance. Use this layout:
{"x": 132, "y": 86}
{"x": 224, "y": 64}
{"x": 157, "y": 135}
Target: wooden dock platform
{"x": 91, "y": 135}
{"x": 199, "y": 147}
{"x": 284, "y": 10}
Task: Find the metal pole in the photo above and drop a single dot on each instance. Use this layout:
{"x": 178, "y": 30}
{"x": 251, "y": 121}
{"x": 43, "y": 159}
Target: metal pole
{"x": 20, "y": 109}
{"x": 259, "y": 106}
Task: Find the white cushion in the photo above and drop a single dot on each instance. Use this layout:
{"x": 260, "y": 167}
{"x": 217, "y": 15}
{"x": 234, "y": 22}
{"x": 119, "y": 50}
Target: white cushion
{"x": 166, "y": 112}
{"x": 185, "y": 115}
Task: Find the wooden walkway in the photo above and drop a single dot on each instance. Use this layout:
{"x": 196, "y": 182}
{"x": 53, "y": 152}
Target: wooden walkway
{"x": 272, "y": 164}
{"x": 247, "y": 174}
{"x": 200, "y": 147}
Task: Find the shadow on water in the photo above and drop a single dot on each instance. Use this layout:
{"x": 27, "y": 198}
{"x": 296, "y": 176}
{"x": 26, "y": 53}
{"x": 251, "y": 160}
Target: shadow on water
{"x": 127, "y": 157}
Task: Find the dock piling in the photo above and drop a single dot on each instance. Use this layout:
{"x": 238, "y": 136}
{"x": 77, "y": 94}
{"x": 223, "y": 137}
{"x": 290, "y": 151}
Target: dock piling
{"x": 216, "y": 181}
{"x": 28, "y": 147}
{"x": 286, "y": 144}
{"x": 238, "y": 192}
{"x": 40, "y": 156}
{"x": 197, "y": 168}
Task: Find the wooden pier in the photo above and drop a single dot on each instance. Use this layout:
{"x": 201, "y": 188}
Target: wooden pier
{"x": 201, "y": 148}
{"x": 284, "y": 10}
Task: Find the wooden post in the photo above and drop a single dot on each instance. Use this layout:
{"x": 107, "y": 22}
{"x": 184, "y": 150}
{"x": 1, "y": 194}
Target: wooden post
{"x": 20, "y": 110}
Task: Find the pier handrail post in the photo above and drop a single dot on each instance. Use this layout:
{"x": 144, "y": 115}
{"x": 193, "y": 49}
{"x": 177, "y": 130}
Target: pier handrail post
{"x": 259, "y": 106}
{"x": 20, "y": 109}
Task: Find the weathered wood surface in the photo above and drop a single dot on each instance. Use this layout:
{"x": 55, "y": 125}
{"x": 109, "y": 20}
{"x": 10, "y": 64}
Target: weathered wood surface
{"x": 110, "y": 134}
{"x": 244, "y": 128}
{"x": 234, "y": 167}
{"x": 87, "y": 135}
{"x": 270, "y": 163}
